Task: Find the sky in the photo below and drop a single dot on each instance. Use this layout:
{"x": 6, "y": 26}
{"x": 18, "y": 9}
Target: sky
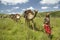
{"x": 18, "y": 6}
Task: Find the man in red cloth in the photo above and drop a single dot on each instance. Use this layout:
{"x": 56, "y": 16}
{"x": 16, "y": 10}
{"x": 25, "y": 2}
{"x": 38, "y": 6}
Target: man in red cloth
{"x": 47, "y": 27}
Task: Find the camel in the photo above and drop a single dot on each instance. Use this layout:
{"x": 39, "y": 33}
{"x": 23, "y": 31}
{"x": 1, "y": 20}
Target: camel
{"x": 29, "y": 15}
{"x": 15, "y": 17}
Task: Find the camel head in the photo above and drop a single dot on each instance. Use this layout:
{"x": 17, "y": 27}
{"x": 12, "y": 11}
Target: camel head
{"x": 29, "y": 14}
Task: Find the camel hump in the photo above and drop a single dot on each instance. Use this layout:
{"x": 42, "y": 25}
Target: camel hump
{"x": 29, "y": 11}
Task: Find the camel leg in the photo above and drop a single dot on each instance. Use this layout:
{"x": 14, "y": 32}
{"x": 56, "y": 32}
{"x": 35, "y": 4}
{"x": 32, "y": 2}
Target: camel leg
{"x": 33, "y": 24}
{"x": 16, "y": 20}
{"x": 33, "y": 27}
{"x": 27, "y": 22}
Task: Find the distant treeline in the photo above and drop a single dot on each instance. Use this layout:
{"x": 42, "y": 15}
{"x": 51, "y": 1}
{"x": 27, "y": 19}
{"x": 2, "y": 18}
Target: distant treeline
{"x": 42, "y": 14}
{"x": 53, "y": 14}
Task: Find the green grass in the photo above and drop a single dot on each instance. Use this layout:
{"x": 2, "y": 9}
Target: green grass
{"x": 11, "y": 30}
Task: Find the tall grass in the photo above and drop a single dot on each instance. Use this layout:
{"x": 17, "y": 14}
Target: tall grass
{"x": 11, "y": 30}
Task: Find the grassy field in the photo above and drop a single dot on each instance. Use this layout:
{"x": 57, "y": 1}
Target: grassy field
{"x": 11, "y": 30}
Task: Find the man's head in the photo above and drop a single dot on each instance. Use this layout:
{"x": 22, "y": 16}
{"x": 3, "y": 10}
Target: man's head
{"x": 47, "y": 14}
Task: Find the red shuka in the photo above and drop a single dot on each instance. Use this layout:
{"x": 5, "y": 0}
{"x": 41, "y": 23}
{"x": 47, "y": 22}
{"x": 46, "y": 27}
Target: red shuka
{"x": 47, "y": 29}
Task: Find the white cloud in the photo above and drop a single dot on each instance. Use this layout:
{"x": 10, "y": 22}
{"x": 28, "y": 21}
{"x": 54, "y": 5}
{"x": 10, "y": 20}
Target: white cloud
{"x": 31, "y": 8}
{"x": 13, "y": 2}
{"x": 1, "y": 11}
{"x": 56, "y": 7}
{"x": 23, "y": 9}
{"x": 44, "y": 7}
{"x": 49, "y": 1}
{"x": 12, "y": 13}
{"x": 15, "y": 8}
{"x": 8, "y": 10}
{"x": 15, "y": 13}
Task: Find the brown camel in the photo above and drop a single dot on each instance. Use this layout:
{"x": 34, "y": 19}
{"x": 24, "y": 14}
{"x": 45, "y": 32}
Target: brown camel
{"x": 29, "y": 15}
{"x": 15, "y": 17}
